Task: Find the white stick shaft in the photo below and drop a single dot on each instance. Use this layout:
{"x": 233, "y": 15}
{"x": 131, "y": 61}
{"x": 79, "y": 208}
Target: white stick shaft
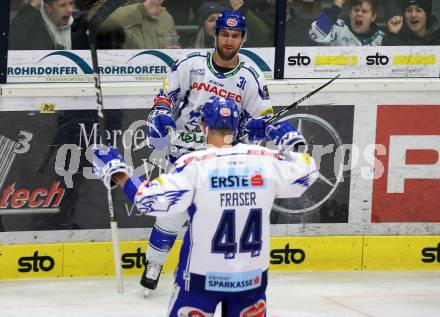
{"x": 117, "y": 256}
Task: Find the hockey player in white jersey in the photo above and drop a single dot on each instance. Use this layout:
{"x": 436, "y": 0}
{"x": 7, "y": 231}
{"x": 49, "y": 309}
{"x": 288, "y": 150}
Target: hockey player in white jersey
{"x": 226, "y": 192}
{"x": 192, "y": 81}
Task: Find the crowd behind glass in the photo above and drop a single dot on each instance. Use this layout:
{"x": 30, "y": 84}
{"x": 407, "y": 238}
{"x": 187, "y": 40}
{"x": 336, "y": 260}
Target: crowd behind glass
{"x": 174, "y": 24}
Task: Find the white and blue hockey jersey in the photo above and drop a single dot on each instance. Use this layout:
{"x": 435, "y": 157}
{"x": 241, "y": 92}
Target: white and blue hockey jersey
{"x": 333, "y": 31}
{"x": 193, "y": 80}
{"x": 227, "y": 194}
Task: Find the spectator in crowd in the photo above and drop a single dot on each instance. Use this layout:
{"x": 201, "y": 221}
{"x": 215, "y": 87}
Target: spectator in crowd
{"x": 105, "y": 40}
{"x": 259, "y": 34}
{"x": 417, "y": 26}
{"x": 358, "y": 30}
{"x": 46, "y": 25}
{"x": 183, "y": 15}
{"x": 267, "y": 11}
{"x": 206, "y": 17}
{"x": 297, "y": 28}
{"x": 145, "y": 25}
{"x": 436, "y": 8}
{"x": 391, "y": 8}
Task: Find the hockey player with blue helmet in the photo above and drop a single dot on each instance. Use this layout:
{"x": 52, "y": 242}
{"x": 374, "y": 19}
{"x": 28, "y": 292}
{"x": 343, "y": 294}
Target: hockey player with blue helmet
{"x": 220, "y": 113}
{"x": 232, "y": 21}
{"x": 230, "y": 33}
{"x": 222, "y": 73}
{"x": 225, "y": 192}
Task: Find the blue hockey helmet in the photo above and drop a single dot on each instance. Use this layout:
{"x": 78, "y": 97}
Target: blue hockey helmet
{"x": 220, "y": 113}
{"x": 231, "y": 20}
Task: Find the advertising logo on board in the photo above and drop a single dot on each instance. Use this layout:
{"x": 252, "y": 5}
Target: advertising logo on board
{"x": 361, "y": 62}
{"x": 141, "y": 65}
{"x": 14, "y": 198}
{"x": 431, "y": 254}
{"x": 287, "y": 255}
{"x": 132, "y": 260}
{"x": 36, "y": 263}
{"x": 56, "y": 66}
{"x": 258, "y": 61}
{"x": 408, "y": 189}
{"x": 299, "y": 60}
{"x": 377, "y": 60}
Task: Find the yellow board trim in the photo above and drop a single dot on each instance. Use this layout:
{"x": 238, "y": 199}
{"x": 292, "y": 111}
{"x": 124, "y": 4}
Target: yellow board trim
{"x": 401, "y": 253}
{"x": 336, "y": 60}
{"x": 33, "y": 260}
{"x": 414, "y": 60}
{"x": 288, "y": 254}
{"x": 320, "y": 253}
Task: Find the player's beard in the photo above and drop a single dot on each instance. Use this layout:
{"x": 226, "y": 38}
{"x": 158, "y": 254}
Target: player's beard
{"x": 226, "y": 56}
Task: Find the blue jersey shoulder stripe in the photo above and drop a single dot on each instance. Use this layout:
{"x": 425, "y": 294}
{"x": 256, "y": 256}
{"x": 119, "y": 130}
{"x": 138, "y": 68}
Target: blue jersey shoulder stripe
{"x": 173, "y": 95}
{"x": 188, "y": 58}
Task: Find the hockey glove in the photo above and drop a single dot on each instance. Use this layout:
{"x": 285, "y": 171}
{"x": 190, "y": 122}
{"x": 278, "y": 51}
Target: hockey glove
{"x": 106, "y": 162}
{"x": 286, "y": 137}
{"x": 160, "y": 123}
{"x": 256, "y": 128}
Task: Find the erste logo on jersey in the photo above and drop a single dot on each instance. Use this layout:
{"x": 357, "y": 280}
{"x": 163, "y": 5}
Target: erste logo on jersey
{"x": 239, "y": 178}
{"x": 218, "y": 91}
{"x": 231, "y": 22}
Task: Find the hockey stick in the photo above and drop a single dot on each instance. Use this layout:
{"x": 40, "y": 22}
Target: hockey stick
{"x": 283, "y": 111}
{"x": 295, "y": 104}
{"x": 100, "y": 16}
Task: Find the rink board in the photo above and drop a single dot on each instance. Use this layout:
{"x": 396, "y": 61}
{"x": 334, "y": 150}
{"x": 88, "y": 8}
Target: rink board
{"x": 401, "y": 253}
{"x": 151, "y": 65}
{"x": 388, "y": 186}
{"x": 287, "y": 254}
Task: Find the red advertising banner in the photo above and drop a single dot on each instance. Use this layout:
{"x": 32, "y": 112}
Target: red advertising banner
{"x": 409, "y": 188}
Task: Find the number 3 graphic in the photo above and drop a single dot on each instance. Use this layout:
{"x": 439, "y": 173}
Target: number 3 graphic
{"x": 23, "y": 145}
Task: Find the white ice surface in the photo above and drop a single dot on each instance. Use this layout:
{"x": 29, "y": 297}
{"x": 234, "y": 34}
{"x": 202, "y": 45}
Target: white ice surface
{"x": 329, "y": 294}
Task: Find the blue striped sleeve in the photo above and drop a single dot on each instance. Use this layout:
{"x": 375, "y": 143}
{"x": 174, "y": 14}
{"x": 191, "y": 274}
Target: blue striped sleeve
{"x": 131, "y": 186}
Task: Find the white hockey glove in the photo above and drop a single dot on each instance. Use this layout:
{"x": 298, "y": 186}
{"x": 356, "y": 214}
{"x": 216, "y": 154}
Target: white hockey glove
{"x": 286, "y": 137}
{"x": 106, "y": 162}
